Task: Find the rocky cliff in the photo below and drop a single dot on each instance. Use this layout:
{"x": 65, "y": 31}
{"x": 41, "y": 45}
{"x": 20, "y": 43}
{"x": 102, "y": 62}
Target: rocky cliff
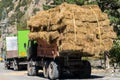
{"x": 15, "y": 13}
{"x": 18, "y": 11}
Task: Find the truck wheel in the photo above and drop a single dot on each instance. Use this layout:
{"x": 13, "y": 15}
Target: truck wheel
{"x": 53, "y": 70}
{"x": 32, "y": 69}
{"x": 45, "y": 69}
{"x": 15, "y": 65}
{"x": 7, "y": 64}
{"x": 84, "y": 71}
{"x": 87, "y": 68}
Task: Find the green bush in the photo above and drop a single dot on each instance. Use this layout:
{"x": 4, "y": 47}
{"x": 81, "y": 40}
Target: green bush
{"x": 22, "y": 24}
{"x": 35, "y": 10}
{"x": 18, "y": 6}
{"x": 25, "y": 8}
{"x": 6, "y": 3}
{"x": 115, "y": 51}
{"x": 46, "y": 7}
{"x": 23, "y": 3}
{"x": 12, "y": 19}
{"x": 19, "y": 15}
{"x": 11, "y": 7}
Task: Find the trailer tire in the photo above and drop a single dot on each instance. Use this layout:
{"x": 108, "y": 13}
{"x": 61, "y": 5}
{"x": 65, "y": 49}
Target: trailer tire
{"x": 53, "y": 70}
{"x": 7, "y": 64}
{"x": 15, "y": 65}
{"x": 87, "y": 69}
{"x": 31, "y": 68}
{"x": 84, "y": 71}
{"x": 45, "y": 69}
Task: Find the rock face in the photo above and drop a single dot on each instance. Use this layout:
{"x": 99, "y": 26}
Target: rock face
{"x": 77, "y": 29}
{"x": 18, "y": 11}
{"x": 21, "y": 10}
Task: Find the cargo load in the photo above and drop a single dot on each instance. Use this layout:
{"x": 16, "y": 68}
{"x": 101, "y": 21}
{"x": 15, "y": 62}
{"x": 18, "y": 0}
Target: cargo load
{"x": 75, "y": 29}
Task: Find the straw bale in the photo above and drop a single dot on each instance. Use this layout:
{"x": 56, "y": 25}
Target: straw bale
{"x": 56, "y": 27}
{"x": 32, "y": 35}
{"x": 70, "y": 22}
{"x": 51, "y": 36}
{"x": 79, "y": 29}
{"x": 65, "y": 46}
{"x": 107, "y": 44}
{"x": 108, "y": 35}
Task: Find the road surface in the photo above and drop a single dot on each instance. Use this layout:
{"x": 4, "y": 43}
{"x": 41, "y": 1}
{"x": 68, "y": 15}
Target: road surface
{"x": 17, "y": 75}
{"x": 22, "y": 75}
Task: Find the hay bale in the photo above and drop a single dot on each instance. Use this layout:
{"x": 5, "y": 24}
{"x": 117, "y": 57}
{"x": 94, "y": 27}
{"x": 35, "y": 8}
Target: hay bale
{"x": 78, "y": 29}
{"x": 49, "y": 37}
{"x": 33, "y": 36}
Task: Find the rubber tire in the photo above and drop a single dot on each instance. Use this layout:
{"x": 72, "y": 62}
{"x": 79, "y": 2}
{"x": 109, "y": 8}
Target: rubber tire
{"x": 15, "y": 65}
{"x": 85, "y": 71}
{"x": 32, "y": 69}
{"x": 45, "y": 69}
{"x": 7, "y": 64}
{"x": 53, "y": 70}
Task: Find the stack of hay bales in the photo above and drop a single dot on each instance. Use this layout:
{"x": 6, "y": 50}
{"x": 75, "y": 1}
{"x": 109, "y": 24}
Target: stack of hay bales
{"x": 77, "y": 29}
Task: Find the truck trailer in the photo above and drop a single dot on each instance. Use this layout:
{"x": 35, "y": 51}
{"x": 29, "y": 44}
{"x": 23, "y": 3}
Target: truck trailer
{"x": 16, "y": 55}
{"x": 42, "y": 55}
{"x": 61, "y": 36}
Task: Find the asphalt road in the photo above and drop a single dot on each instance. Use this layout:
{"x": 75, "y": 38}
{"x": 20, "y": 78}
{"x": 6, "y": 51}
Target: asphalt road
{"x": 22, "y": 75}
{"x": 17, "y": 75}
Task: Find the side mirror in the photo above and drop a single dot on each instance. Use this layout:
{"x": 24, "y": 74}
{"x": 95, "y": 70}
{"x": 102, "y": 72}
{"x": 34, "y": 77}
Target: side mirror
{"x": 25, "y": 45}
